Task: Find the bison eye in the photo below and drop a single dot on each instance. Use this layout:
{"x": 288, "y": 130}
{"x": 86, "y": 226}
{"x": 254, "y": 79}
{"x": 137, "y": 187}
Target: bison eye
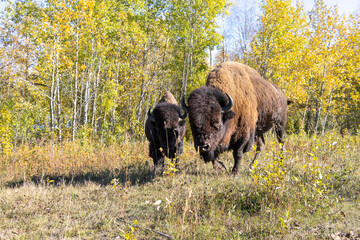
{"x": 217, "y": 125}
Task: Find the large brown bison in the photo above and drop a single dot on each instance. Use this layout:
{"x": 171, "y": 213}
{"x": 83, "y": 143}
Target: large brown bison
{"x": 165, "y": 130}
{"x": 234, "y": 110}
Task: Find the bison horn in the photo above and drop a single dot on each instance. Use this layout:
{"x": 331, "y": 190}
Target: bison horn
{"x": 151, "y": 117}
{"x": 182, "y": 117}
{"x": 183, "y": 104}
{"x": 229, "y": 105}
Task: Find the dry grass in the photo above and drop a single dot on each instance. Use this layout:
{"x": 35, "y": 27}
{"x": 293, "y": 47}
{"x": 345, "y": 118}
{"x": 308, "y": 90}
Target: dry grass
{"x": 76, "y": 191}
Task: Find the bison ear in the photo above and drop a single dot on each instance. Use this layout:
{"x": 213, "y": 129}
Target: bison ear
{"x": 228, "y": 115}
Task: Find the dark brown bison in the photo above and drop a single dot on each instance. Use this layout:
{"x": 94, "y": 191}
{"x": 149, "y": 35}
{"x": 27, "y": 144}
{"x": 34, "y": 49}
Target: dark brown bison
{"x": 234, "y": 110}
{"x": 165, "y": 130}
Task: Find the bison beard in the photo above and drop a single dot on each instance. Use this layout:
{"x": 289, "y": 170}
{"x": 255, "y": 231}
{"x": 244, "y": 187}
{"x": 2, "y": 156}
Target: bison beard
{"x": 208, "y": 156}
{"x": 235, "y": 108}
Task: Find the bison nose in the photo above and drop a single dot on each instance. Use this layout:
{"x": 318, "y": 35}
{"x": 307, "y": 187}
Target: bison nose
{"x": 204, "y": 148}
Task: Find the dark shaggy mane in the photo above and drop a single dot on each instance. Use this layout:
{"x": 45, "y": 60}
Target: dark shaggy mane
{"x": 165, "y": 111}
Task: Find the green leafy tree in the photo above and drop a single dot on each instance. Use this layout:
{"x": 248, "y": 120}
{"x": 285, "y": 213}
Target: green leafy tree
{"x": 192, "y": 25}
{"x": 309, "y": 56}
{"x": 91, "y": 69}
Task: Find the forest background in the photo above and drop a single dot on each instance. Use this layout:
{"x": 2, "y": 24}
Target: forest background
{"x": 89, "y": 70}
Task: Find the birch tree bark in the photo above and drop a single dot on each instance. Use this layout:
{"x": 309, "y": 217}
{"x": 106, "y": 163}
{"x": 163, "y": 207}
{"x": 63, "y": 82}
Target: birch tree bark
{"x": 75, "y": 100}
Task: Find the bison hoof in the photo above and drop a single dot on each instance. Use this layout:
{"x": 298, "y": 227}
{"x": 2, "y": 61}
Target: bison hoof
{"x": 234, "y": 171}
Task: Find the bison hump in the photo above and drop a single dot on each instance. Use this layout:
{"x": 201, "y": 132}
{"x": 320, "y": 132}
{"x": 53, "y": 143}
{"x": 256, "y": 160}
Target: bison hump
{"x": 168, "y": 97}
{"x": 235, "y": 79}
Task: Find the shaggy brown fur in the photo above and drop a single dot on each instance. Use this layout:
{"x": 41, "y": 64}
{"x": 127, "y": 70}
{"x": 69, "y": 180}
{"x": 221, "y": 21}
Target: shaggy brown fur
{"x": 258, "y": 105}
{"x": 165, "y": 130}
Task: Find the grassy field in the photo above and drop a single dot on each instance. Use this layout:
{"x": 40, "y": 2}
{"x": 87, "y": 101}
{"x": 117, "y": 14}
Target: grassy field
{"x": 84, "y": 191}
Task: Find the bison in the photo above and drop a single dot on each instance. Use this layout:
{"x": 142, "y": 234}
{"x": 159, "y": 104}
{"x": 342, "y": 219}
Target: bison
{"x": 233, "y": 111}
{"x": 165, "y": 130}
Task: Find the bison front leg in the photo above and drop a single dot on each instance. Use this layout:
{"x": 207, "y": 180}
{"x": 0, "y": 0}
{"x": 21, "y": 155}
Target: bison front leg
{"x": 218, "y": 165}
{"x": 159, "y": 163}
{"x": 158, "y": 158}
{"x": 244, "y": 145}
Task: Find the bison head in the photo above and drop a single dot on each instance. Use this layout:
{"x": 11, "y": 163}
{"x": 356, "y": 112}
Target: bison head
{"x": 170, "y": 126}
{"x": 209, "y": 115}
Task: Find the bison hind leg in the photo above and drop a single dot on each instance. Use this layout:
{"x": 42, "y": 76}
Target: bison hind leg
{"x": 280, "y": 134}
{"x": 260, "y": 145}
{"x": 280, "y": 131}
